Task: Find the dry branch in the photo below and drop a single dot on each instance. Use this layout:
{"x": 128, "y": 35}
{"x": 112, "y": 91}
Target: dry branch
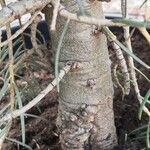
{"x": 134, "y": 79}
{"x": 33, "y": 35}
{"x": 19, "y": 8}
{"x": 11, "y": 76}
{"x": 96, "y": 21}
{"x": 55, "y": 13}
{"x": 145, "y": 33}
{"x": 20, "y": 31}
{"x": 131, "y": 64}
{"x": 14, "y": 10}
{"x": 38, "y": 98}
{"x": 124, "y": 69}
{"x": 132, "y": 71}
{"x": 85, "y": 19}
{"x": 10, "y": 62}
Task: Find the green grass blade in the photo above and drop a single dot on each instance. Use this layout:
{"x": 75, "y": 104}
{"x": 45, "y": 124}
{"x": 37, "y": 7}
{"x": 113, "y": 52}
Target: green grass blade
{"x": 143, "y": 103}
{"x": 4, "y": 51}
{"x": 143, "y": 133}
{"x": 4, "y": 55}
{"x": 4, "y": 89}
{"x": 35, "y": 116}
{"x": 58, "y": 52}
{"x": 133, "y": 23}
{"x": 142, "y": 74}
{"x": 5, "y": 130}
{"x": 41, "y": 35}
{"x": 20, "y": 143}
{"x": 17, "y": 53}
{"x": 28, "y": 35}
{"x": 81, "y": 7}
{"x": 147, "y": 135}
{"x": 132, "y": 55}
{"x": 4, "y": 109}
{"x": 138, "y": 138}
{"x": 5, "y": 71}
{"x": 17, "y": 41}
{"x": 143, "y": 3}
{"x": 138, "y": 130}
{"x": 19, "y": 101}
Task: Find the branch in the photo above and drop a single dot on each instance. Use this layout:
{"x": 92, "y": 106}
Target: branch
{"x": 11, "y": 76}
{"x": 86, "y": 19}
{"x": 145, "y": 33}
{"x": 113, "y": 38}
{"x": 55, "y": 13}
{"x": 131, "y": 65}
{"x": 14, "y": 10}
{"x": 33, "y": 35}
{"x": 11, "y": 68}
{"x": 38, "y": 98}
{"x": 19, "y": 8}
{"x": 123, "y": 67}
{"x": 100, "y": 22}
{"x": 132, "y": 71}
{"x": 10, "y": 63}
{"x": 20, "y": 31}
{"x": 33, "y": 30}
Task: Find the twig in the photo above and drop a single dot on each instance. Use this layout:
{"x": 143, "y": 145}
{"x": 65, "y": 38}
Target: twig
{"x": 11, "y": 67}
{"x": 99, "y": 22}
{"x": 131, "y": 66}
{"x": 124, "y": 69}
{"x": 55, "y": 13}
{"x": 85, "y": 19}
{"x": 121, "y": 59}
{"x": 133, "y": 75}
{"x": 19, "y": 8}
{"x": 114, "y": 70}
{"x": 38, "y": 98}
{"x": 11, "y": 76}
{"x": 17, "y": 33}
{"x": 33, "y": 34}
{"x": 145, "y": 33}
{"x": 10, "y": 63}
{"x": 135, "y": 84}
{"x": 147, "y": 11}
{"x": 140, "y": 72}
{"x": 22, "y": 36}
{"x": 113, "y": 38}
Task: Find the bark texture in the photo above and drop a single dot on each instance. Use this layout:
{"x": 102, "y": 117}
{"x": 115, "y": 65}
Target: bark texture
{"x": 85, "y": 114}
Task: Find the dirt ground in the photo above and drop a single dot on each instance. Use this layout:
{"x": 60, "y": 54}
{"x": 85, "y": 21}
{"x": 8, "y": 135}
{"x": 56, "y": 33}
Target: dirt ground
{"x": 41, "y": 134}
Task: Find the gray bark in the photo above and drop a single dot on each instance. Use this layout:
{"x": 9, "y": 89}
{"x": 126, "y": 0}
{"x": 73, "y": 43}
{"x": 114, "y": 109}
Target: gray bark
{"x": 86, "y": 94}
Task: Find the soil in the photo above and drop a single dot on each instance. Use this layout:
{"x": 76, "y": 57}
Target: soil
{"x": 41, "y": 134}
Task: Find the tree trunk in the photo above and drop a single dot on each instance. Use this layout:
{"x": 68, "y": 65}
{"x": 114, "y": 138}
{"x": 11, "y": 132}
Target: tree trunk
{"x": 86, "y": 94}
